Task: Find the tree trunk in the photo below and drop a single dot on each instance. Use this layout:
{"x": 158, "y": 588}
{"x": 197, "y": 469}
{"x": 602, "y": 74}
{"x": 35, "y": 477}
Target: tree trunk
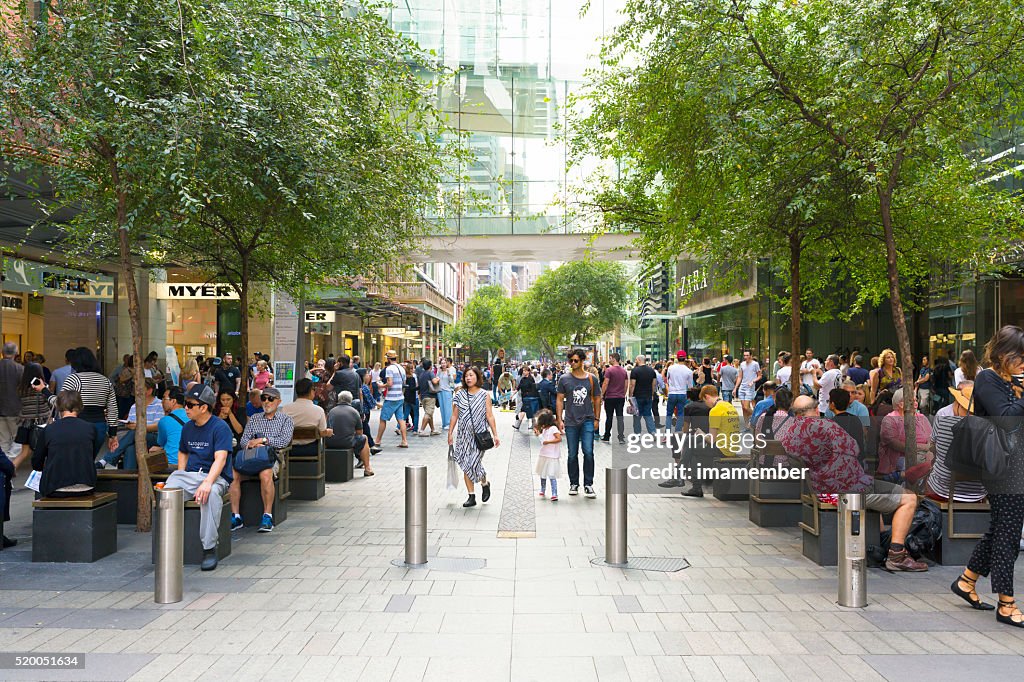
{"x": 794, "y": 311}
{"x": 899, "y": 321}
{"x": 144, "y": 514}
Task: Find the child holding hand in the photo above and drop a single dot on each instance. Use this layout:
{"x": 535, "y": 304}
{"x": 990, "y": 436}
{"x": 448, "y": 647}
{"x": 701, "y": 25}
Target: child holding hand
{"x": 549, "y": 464}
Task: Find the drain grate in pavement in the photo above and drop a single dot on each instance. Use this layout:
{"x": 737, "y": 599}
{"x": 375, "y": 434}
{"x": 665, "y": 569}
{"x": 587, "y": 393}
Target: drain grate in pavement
{"x": 518, "y": 508}
{"x": 647, "y": 563}
{"x": 443, "y": 563}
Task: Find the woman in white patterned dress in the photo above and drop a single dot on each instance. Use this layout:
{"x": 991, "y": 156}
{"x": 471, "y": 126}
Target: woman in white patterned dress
{"x": 472, "y": 413}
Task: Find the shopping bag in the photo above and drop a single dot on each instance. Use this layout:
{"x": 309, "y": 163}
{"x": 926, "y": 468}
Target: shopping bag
{"x": 453, "y": 471}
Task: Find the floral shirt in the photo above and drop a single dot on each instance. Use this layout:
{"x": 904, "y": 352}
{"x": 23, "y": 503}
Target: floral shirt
{"x": 828, "y": 452}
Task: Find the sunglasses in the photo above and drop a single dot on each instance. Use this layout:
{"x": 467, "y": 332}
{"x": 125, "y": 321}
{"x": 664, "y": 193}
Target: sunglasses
{"x": 189, "y": 405}
{"x": 267, "y": 398}
{"x": 574, "y": 360}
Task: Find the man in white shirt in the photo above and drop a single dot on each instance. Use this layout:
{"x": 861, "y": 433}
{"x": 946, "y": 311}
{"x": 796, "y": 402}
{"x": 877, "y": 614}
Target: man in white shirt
{"x": 750, "y": 373}
{"x": 679, "y": 378}
{"x": 392, "y": 384}
{"x": 832, "y": 378}
{"x": 810, "y": 369}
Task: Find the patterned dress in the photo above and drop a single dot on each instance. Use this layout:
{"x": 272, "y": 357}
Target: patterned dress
{"x": 472, "y": 419}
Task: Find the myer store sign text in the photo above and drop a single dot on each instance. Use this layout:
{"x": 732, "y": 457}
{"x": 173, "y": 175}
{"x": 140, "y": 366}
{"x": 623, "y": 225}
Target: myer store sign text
{"x": 319, "y": 316}
{"x": 195, "y": 291}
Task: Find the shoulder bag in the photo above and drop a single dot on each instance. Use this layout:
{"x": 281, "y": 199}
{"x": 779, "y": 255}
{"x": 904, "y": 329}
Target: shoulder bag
{"x": 484, "y": 440}
{"x": 251, "y": 461}
{"x": 978, "y": 448}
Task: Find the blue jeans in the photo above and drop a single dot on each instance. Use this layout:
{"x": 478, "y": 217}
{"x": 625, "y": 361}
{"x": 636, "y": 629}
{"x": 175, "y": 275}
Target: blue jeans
{"x": 727, "y": 395}
{"x": 126, "y": 449}
{"x": 444, "y": 401}
{"x": 645, "y": 406}
{"x": 530, "y": 406}
{"x": 676, "y": 403}
{"x": 575, "y": 436}
{"x": 412, "y": 409}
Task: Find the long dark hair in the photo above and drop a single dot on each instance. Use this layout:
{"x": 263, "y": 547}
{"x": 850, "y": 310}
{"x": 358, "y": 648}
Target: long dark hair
{"x": 969, "y": 364}
{"x": 783, "y": 401}
{"x": 32, "y": 371}
{"x": 84, "y": 361}
{"x": 1005, "y": 346}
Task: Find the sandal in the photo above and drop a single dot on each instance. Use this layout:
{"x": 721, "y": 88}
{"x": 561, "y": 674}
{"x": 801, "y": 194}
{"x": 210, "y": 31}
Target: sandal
{"x": 1013, "y": 615}
{"x": 969, "y": 595}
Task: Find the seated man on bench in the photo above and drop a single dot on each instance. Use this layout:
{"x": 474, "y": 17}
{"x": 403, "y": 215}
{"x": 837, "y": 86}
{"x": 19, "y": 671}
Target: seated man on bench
{"x": 126, "y": 439}
{"x": 203, "y": 469}
{"x": 305, "y": 413}
{"x": 273, "y": 428}
{"x": 347, "y": 425}
{"x": 831, "y": 456}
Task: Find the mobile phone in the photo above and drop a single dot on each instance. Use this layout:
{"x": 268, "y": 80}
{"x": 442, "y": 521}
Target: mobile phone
{"x": 37, "y": 382}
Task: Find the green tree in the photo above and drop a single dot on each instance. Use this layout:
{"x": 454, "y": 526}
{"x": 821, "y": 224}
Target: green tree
{"x": 96, "y": 96}
{"x": 575, "y": 302}
{"x": 323, "y": 142}
{"x": 487, "y": 323}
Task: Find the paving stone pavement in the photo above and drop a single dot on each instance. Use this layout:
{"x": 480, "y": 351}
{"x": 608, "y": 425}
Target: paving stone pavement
{"x": 319, "y": 598}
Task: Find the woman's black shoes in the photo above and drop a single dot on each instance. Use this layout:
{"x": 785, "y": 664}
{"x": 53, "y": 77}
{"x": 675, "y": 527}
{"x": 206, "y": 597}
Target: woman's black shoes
{"x": 471, "y": 502}
{"x": 487, "y": 493}
{"x": 975, "y": 602}
{"x": 7, "y": 542}
{"x": 1011, "y": 605}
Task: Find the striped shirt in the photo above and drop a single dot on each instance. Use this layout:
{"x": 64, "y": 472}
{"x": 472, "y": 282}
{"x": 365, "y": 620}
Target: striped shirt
{"x": 940, "y": 475}
{"x": 277, "y": 431}
{"x": 154, "y": 412}
{"x": 97, "y": 397}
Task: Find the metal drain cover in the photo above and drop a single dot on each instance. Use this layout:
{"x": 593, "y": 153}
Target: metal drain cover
{"x": 648, "y": 563}
{"x": 442, "y": 563}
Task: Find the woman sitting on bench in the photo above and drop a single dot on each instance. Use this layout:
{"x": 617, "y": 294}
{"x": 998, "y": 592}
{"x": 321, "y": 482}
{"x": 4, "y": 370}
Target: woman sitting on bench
{"x": 65, "y": 456}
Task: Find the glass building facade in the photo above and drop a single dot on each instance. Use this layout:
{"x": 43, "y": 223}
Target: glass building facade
{"x": 516, "y": 64}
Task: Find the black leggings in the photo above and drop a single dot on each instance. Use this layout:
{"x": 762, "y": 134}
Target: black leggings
{"x": 997, "y": 550}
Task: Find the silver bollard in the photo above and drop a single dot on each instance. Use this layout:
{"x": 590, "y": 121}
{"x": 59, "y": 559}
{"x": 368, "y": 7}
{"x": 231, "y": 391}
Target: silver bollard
{"x": 615, "y": 550}
{"x": 169, "y": 529}
{"x": 415, "y": 514}
{"x": 852, "y": 551}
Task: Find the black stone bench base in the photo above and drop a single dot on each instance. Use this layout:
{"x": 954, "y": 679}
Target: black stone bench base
{"x": 775, "y": 504}
{"x": 823, "y": 548}
{"x": 74, "y": 534}
{"x": 126, "y": 485}
{"x": 306, "y": 475}
{"x": 957, "y": 551}
{"x": 339, "y": 466}
{"x": 731, "y": 490}
{"x": 251, "y": 503}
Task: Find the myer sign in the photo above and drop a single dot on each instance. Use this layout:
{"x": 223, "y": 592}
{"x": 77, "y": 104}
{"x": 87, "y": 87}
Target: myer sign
{"x": 195, "y": 290}
{"x": 319, "y": 316}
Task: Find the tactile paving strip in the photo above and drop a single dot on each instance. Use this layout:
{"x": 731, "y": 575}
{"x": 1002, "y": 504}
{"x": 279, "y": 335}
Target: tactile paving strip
{"x": 648, "y": 563}
{"x": 518, "y": 508}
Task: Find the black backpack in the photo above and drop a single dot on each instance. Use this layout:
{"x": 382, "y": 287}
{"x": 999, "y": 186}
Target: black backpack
{"x": 924, "y": 534}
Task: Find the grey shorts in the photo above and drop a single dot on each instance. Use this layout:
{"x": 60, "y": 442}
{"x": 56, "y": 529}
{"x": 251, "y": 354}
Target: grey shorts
{"x": 884, "y": 497}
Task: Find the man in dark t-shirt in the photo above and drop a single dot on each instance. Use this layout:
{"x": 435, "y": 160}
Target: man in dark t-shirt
{"x": 696, "y": 420}
{"x": 643, "y": 388}
{"x": 579, "y": 404}
{"x": 838, "y": 403}
{"x": 203, "y": 469}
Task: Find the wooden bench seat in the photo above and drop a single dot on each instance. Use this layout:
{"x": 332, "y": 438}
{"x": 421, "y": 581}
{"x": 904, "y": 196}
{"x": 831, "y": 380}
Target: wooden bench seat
{"x": 74, "y": 529}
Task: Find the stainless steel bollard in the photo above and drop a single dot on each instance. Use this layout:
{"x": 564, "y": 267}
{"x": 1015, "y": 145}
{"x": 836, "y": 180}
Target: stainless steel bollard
{"x": 169, "y": 529}
{"x": 415, "y": 514}
{"x": 615, "y": 550}
{"x": 852, "y": 550}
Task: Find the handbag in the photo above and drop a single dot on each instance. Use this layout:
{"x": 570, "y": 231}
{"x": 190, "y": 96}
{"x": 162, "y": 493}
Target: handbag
{"x": 484, "y": 440}
{"x": 251, "y": 461}
{"x": 453, "y": 471}
{"x": 978, "y": 448}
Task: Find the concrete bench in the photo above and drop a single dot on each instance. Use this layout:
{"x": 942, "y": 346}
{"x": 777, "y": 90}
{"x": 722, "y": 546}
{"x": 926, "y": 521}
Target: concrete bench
{"x": 307, "y": 476}
{"x": 963, "y": 524}
{"x": 731, "y": 488}
{"x": 74, "y": 529}
{"x": 774, "y": 503}
{"x": 338, "y": 465}
{"x": 192, "y": 544}
{"x": 250, "y": 505}
{"x": 820, "y": 528}
{"x": 126, "y": 485}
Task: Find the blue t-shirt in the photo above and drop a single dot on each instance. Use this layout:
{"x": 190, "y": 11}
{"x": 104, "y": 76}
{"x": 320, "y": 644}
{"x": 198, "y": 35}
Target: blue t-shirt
{"x": 858, "y": 375}
{"x": 761, "y": 408}
{"x": 200, "y": 442}
{"x": 251, "y": 409}
{"x": 168, "y": 434}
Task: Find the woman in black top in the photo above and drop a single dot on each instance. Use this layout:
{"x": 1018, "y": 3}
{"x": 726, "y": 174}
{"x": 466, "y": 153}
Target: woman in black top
{"x": 529, "y": 396}
{"x": 942, "y": 380}
{"x": 412, "y": 401}
{"x": 696, "y": 421}
{"x": 65, "y": 455}
{"x": 229, "y": 409}
{"x": 97, "y": 393}
{"x": 999, "y": 395}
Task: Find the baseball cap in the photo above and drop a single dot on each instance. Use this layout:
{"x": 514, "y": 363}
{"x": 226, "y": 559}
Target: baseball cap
{"x": 203, "y": 394}
{"x": 681, "y": 354}
{"x": 215, "y": 361}
{"x": 271, "y": 391}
